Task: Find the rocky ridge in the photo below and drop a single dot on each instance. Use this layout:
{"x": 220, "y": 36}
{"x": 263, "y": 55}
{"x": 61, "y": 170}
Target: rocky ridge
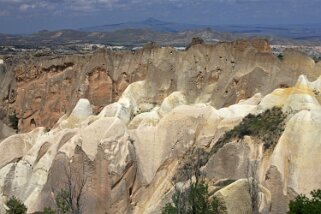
{"x": 42, "y": 89}
{"x": 129, "y": 151}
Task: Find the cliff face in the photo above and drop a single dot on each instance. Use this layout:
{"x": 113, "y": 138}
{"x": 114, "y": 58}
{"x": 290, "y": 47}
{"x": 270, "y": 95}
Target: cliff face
{"x": 128, "y": 122}
{"x": 48, "y": 88}
{"x": 43, "y": 89}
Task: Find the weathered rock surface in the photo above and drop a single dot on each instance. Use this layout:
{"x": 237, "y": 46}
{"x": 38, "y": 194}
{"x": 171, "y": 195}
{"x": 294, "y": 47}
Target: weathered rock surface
{"x": 126, "y": 157}
{"x": 41, "y": 90}
{"x": 237, "y": 198}
{"x": 5, "y": 131}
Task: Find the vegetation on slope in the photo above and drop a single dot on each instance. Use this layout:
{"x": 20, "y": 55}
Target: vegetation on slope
{"x": 194, "y": 200}
{"x": 267, "y": 127}
{"x": 304, "y": 205}
{"x": 280, "y": 56}
{"x": 15, "y": 206}
{"x": 317, "y": 59}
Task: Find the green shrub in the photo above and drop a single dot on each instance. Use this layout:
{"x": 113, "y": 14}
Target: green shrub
{"x": 267, "y": 126}
{"x": 63, "y": 202}
{"x": 317, "y": 59}
{"x": 194, "y": 200}
{"x": 15, "y": 206}
{"x": 280, "y": 56}
{"x": 304, "y": 205}
{"x": 49, "y": 210}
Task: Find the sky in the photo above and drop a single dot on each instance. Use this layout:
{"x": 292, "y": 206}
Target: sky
{"x": 26, "y": 16}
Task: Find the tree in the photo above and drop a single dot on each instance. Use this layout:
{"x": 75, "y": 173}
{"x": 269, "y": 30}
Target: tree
{"x": 195, "y": 199}
{"x": 280, "y": 56}
{"x": 63, "y": 202}
{"x": 254, "y": 189}
{"x": 69, "y": 199}
{"x": 304, "y": 205}
{"x": 49, "y": 210}
{"x": 15, "y": 206}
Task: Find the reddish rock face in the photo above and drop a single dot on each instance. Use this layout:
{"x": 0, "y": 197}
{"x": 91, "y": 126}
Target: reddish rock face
{"x": 100, "y": 88}
{"x": 42, "y": 97}
{"x": 46, "y": 88}
{"x": 126, "y": 159}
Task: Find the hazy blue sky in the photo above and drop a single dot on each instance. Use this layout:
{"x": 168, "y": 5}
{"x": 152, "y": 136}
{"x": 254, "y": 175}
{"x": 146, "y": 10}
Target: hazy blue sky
{"x": 20, "y": 16}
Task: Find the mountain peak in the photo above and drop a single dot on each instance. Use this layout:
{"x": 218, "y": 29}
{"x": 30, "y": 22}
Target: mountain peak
{"x": 151, "y": 23}
{"x": 152, "y": 20}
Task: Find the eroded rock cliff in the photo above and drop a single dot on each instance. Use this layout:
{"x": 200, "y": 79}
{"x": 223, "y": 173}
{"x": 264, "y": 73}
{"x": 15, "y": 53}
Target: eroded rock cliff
{"x": 137, "y": 117}
{"x": 41, "y": 89}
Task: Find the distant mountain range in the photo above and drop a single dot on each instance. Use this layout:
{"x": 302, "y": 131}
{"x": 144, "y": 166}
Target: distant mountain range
{"x": 126, "y": 37}
{"x": 150, "y": 23}
{"x": 164, "y": 33}
{"x": 297, "y": 32}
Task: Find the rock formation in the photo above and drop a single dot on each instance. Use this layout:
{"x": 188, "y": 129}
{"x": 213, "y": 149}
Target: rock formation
{"x": 42, "y": 89}
{"x": 129, "y": 121}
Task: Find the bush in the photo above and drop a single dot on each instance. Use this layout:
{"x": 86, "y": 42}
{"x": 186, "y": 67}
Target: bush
{"x": 49, "y": 210}
{"x": 267, "y": 126}
{"x": 194, "y": 200}
{"x": 317, "y": 59}
{"x": 280, "y": 56}
{"x": 15, "y": 206}
{"x": 63, "y": 202}
{"x": 303, "y": 205}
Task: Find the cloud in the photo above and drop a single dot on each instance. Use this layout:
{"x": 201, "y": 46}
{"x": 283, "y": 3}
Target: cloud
{"x": 89, "y": 6}
{"x": 25, "y": 7}
{"x": 86, "y": 5}
{"x": 4, "y": 13}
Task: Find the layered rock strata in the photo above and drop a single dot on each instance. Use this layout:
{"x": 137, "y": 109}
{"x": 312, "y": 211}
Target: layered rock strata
{"x": 39, "y": 90}
{"x": 125, "y": 150}
{"x": 129, "y": 159}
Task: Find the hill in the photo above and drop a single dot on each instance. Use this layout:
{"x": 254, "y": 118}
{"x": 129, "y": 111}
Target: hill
{"x": 150, "y": 23}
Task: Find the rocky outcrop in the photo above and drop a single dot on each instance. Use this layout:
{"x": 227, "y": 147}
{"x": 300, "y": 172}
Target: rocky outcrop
{"x": 51, "y": 89}
{"x": 125, "y": 160}
{"x": 5, "y": 131}
{"x": 123, "y": 143}
{"x": 41, "y": 89}
{"x": 237, "y": 198}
